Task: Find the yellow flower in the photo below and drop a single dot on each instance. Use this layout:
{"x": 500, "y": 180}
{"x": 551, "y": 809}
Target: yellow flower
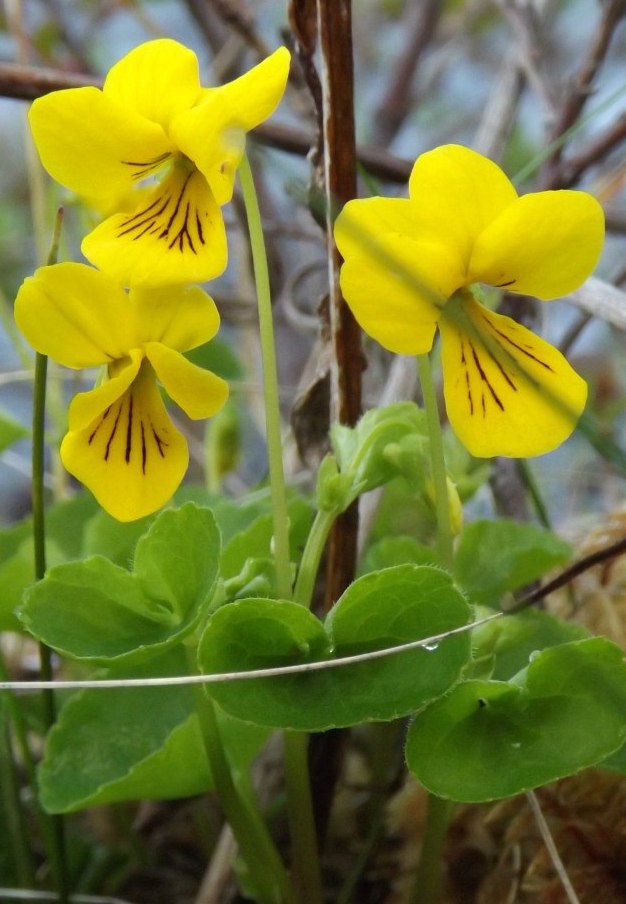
{"x": 121, "y": 442}
{"x": 410, "y": 263}
{"x": 155, "y": 133}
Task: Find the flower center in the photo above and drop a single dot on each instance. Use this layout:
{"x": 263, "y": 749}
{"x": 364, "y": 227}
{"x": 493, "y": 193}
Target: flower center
{"x": 175, "y": 211}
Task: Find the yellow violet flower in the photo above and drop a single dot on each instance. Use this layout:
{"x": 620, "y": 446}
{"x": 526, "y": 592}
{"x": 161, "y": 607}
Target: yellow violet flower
{"x": 121, "y": 442}
{"x": 410, "y": 263}
{"x": 153, "y": 134}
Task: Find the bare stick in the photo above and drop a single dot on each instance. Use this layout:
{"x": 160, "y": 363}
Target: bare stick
{"x": 548, "y": 840}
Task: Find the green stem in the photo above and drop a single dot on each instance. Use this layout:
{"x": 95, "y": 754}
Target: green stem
{"x": 57, "y": 851}
{"x": 307, "y": 877}
{"x": 532, "y": 488}
{"x": 302, "y": 821}
{"x": 266, "y": 870}
{"x": 20, "y": 732}
{"x": 438, "y": 463}
{"x": 311, "y": 557}
{"x": 428, "y": 876}
{"x": 15, "y": 832}
{"x": 270, "y": 382}
{"x": 429, "y": 869}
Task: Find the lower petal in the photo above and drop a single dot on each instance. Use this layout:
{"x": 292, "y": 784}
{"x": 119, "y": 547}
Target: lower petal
{"x": 198, "y": 392}
{"x": 507, "y": 392}
{"x": 397, "y": 292}
{"x": 86, "y": 406}
{"x": 177, "y": 235}
{"x": 131, "y": 456}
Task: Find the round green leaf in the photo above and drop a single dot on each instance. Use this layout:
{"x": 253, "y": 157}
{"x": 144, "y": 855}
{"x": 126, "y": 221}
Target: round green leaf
{"x": 495, "y": 557}
{"x": 134, "y": 743}
{"x": 97, "y": 611}
{"x": 380, "y": 610}
{"x": 489, "y": 739}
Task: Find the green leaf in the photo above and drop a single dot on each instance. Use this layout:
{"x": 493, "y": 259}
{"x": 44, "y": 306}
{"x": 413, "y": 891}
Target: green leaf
{"x": 496, "y": 557}
{"x": 115, "y": 540}
{"x": 218, "y": 357}
{"x": 65, "y": 522}
{"x": 513, "y": 640}
{"x": 491, "y": 739}
{"x": 396, "y": 551}
{"x": 176, "y": 562}
{"x": 97, "y": 611}
{"x": 17, "y": 574}
{"x": 254, "y": 541}
{"x": 115, "y": 744}
{"x": 364, "y": 455}
{"x": 10, "y": 430}
{"x": 380, "y": 610}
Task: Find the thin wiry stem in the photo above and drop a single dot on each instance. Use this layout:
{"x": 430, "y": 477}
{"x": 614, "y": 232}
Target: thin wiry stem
{"x": 551, "y": 847}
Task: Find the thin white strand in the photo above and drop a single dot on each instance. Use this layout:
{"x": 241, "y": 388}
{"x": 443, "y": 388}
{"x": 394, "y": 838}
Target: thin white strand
{"x": 548, "y": 840}
{"x": 31, "y": 894}
{"x": 221, "y": 677}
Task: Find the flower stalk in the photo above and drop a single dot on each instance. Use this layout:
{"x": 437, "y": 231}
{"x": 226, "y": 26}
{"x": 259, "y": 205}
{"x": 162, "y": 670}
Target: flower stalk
{"x": 57, "y": 847}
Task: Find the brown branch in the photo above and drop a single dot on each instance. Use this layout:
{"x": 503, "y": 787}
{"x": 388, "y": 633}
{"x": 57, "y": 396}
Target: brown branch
{"x": 205, "y": 19}
{"x": 581, "y": 86}
{"x": 422, "y": 19}
{"x": 29, "y": 83}
{"x": 335, "y": 36}
{"x": 239, "y": 19}
{"x": 567, "y": 576}
{"x": 303, "y": 21}
{"x": 571, "y": 170}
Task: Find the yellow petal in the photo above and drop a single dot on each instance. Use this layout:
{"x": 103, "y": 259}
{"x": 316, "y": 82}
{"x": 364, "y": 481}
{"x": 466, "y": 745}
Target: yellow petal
{"x": 507, "y": 392}
{"x": 396, "y": 293}
{"x": 181, "y": 317}
{"x": 177, "y": 235}
{"x": 361, "y": 222}
{"x": 131, "y": 457}
{"x": 198, "y": 392}
{"x": 212, "y": 134}
{"x": 74, "y": 314}
{"x": 157, "y": 79}
{"x": 86, "y": 406}
{"x": 94, "y": 146}
{"x": 456, "y": 193}
{"x": 544, "y": 244}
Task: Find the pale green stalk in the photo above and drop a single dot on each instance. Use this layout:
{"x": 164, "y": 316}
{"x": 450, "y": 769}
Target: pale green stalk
{"x": 300, "y": 809}
{"x": 267, "y": 873}
{"x": 428, "y": 875}
{"x": 57, "y": 852}
{"x": 437, "y": 463}
{"x": 311, "y": 558}
{"x": 270, "y": 383}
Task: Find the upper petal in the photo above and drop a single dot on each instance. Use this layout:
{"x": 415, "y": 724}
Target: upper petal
{"x": 93, "y": 145}
{"x": 198, "y": 392}
{"x": 176, "y": 235}
{"x": 396, "y": 292}
{"x": 212, "y": 134}
{"x": 544, "y": 244}
{"x": 507, "y": 391}
{"x": 158, "y": 79}
{"x": 131, "y": 457}
{"x": 180, "y": 317}
{"x": 456, "y": 193}
{"x": 74, "y": 314}
{"x": 362, "y": 221}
